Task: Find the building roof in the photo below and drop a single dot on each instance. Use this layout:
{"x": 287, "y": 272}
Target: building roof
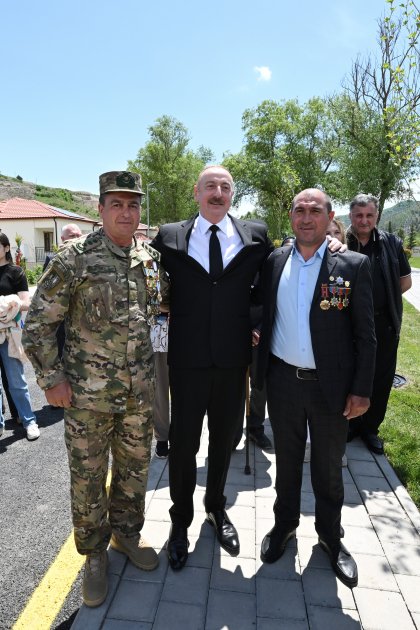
{"x": 17, "y": 208}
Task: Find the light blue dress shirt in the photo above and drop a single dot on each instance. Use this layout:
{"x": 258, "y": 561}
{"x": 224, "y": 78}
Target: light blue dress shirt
{"x": 291, "y": 337}
{"x": 198, "y": 245}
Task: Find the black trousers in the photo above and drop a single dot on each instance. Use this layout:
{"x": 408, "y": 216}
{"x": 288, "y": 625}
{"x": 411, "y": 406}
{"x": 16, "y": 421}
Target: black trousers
{"x": 194, "y": 392}
{"x": 386, "y": 362}
{"x": 291, "y": 404}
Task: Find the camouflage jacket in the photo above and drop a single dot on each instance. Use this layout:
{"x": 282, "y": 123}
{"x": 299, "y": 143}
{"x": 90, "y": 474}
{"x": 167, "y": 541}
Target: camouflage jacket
{"x": 107, "y": 299}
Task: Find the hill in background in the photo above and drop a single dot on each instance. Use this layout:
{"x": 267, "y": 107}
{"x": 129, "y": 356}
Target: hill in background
{"x": 83, "y": 203}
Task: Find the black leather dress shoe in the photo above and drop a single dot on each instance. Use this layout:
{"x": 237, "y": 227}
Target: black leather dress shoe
{"x": 225, "y": 531}
{"x": 261, "y": 440}
{"x": 274, "y": 543}
{"x": 342, "y": 563}
{"x": 374, "y": 443}
{"x": 177, "y": 546}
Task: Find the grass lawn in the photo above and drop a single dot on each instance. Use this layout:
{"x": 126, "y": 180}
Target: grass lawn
{"x": 401, "y": 427}
{"x": 415, "y": 262}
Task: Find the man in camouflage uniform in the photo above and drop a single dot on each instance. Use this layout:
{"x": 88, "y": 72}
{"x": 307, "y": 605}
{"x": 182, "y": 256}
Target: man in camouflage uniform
{"x": 107, "y": 288}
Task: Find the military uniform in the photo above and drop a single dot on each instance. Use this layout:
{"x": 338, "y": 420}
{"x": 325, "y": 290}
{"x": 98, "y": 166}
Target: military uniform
{"x": 107, "y": 295}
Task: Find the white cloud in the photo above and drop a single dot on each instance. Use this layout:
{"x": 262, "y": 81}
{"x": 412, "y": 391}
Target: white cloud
{"x": 264, "y": 73}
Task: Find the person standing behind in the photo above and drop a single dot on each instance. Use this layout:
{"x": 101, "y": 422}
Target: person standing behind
{"x": 212, "y": 260}
{"x": 391, "y": 275}
{"x": 317, "y": 353}
{"x": 14, "y": 289}
{"x": 68, "y": 233}
{"x": 106, "y": 287}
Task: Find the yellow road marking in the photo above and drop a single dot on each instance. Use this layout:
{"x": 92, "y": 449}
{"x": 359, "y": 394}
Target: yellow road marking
{"x": 48, "y": 598}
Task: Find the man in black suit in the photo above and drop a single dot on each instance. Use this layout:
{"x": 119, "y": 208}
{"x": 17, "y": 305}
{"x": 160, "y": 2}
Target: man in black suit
{"x": 211, "y": 260}
{"x": 317, "y": 351}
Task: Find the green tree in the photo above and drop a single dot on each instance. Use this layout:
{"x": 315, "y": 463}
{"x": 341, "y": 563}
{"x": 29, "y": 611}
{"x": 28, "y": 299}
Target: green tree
{"x": 287, "y": 147}
{"x": 377, "y": 118}
{"x": 390, "y": 227}
{"x": 412, "y": 236}
{"x": 401, "y": 234}
{"x": 170, "y": 169}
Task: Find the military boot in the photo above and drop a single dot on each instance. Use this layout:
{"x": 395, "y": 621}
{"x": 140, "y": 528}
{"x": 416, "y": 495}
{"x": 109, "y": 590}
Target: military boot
{"x": 95, "y": 581}
{"x": 141, "y": 554}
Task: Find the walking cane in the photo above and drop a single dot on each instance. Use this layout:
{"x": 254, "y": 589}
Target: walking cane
{"x": 247, "y": 469}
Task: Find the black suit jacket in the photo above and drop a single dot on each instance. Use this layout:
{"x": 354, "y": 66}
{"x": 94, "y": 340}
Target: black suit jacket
{"x": 209, "y": 320}
{"x": 343, "y": 341}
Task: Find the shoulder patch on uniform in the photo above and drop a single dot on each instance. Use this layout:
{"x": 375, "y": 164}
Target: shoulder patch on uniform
{"x": 54, "y": 277}
{"x": 151, "y": 251}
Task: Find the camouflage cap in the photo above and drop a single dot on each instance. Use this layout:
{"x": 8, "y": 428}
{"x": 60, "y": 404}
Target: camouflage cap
{"x": 120, "y": 181}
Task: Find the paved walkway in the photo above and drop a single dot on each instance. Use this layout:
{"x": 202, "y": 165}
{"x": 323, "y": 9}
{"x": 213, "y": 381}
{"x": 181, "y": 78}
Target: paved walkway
{"x": 300, "y": 591}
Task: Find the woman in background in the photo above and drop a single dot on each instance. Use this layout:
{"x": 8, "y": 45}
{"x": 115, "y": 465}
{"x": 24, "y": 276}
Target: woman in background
{"x": 14, "y": 298}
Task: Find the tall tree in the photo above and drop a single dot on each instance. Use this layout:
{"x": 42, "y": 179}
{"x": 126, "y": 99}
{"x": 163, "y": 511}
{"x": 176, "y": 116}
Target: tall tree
{"x": 169, "y": 170}
{"x": 287, "y": 147}
{"x": 378, "y": 117}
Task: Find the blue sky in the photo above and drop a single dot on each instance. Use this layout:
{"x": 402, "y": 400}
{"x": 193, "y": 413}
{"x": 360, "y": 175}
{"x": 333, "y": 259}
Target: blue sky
{"x": 82, "y": 81}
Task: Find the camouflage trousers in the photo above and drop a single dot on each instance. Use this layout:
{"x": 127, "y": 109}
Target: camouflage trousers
{"x": 90, "y": 437}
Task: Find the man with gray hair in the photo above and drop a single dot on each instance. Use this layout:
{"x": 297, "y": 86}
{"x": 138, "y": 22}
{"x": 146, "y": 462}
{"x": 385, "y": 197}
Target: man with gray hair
{"x": 391, "y": 275}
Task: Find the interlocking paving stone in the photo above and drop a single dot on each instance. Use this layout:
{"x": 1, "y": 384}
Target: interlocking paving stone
{"x": 135, "y": 601}
{"x": 375, "y": 572}
{"x": 362, "y": 540}
{"x": 233, "y": 574}
{"x": 352, "y": 495}
{"x": 281, "y": 599}
{"x": 187, "y": 587}
{"x": 286, "y": 568}
{"x": 355, "y": 515}
{"x": 200, "y": 551}
{"x": 410, "y": 590}
{"x": 242, "y": 516}
{"x": 363, "y": 467}
{"x": 176, "y": 615}
{"x": 382, "y": 610}
{"x": 404, "y": 559}
{"x": 321, "y": 618}
{"x": 395, "y": 530}
{"x": 235, "y": 611}
{"x": 244, "y": 497}
{"x": 322, "y": 588}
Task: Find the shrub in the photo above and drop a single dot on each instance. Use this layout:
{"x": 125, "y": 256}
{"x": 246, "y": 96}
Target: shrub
{"x": 33, "y": 275}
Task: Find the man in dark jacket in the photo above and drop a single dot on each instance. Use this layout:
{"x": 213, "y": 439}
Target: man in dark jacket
{"x": 211, "y": 260}
{"x": 391, "y": 275}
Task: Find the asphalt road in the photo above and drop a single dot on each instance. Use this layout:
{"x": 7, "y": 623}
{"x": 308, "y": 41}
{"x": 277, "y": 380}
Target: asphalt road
{"x": 35, "y": 516}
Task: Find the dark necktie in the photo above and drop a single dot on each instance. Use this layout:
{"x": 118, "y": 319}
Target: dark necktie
{"x": 215, "y": 253}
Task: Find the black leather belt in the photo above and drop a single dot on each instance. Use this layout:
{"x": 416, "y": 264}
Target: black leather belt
{"x": 303, "y": 374}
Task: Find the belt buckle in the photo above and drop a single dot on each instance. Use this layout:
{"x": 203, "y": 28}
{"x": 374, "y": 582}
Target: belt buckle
{"x": 301, "y": 378}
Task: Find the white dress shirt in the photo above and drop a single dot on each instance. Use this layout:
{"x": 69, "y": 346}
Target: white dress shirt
{"x": 198, "y": 245}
